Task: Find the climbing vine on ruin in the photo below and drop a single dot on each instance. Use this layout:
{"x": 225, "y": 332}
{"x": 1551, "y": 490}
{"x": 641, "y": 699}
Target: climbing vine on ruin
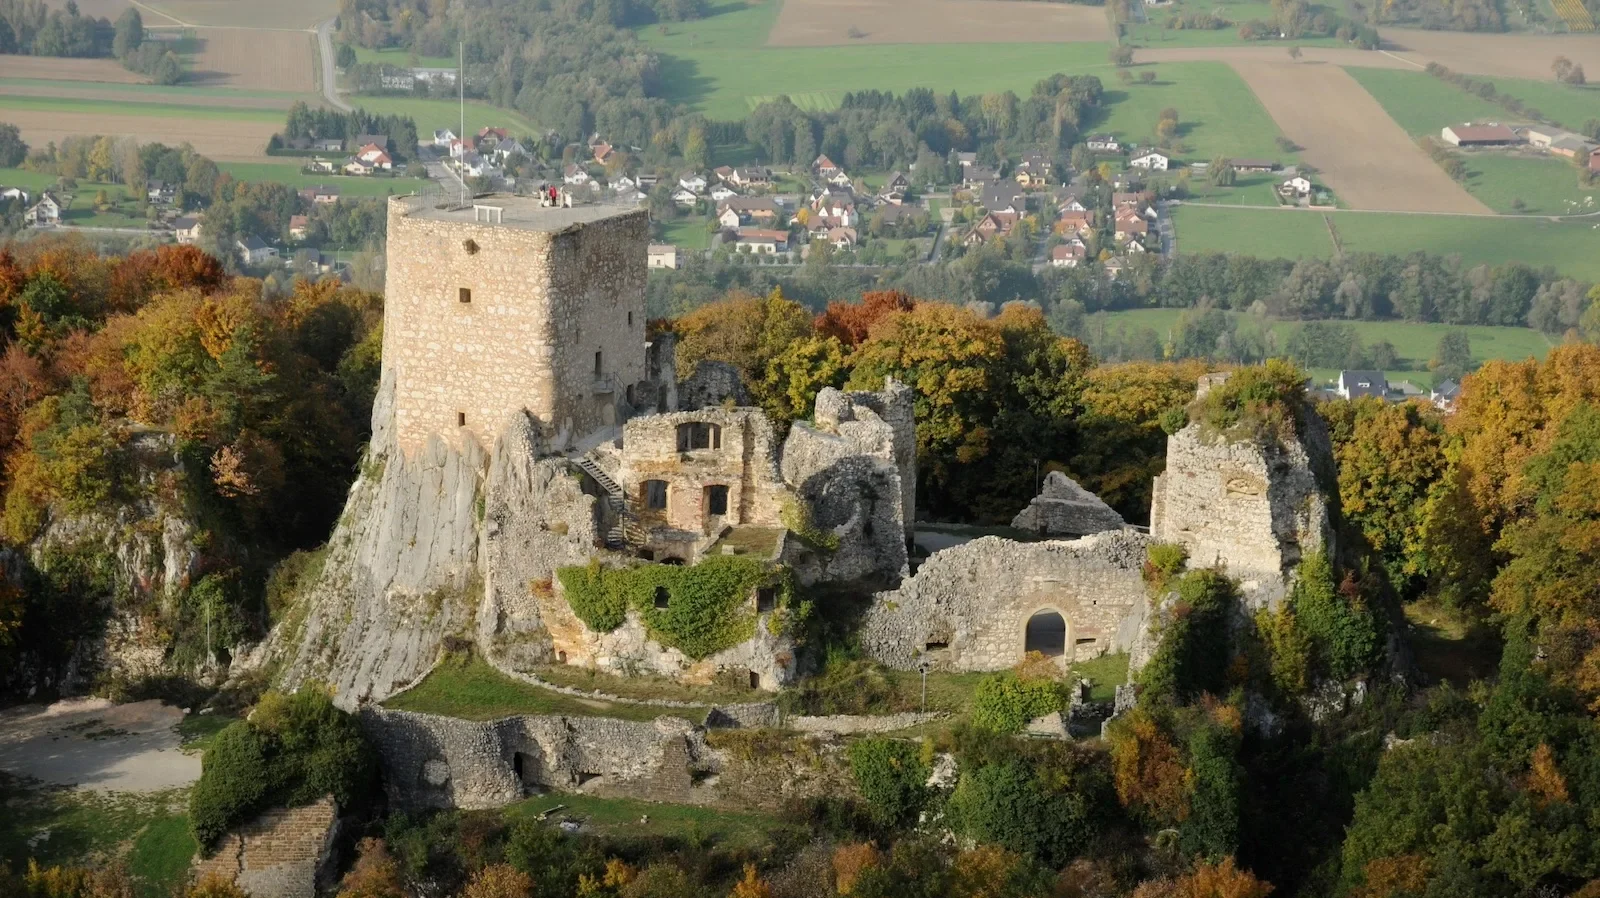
{"x": 707, "y": 606}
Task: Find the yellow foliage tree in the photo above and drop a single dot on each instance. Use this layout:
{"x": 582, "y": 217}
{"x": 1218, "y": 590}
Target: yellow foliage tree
{"x": 850, "y": 861}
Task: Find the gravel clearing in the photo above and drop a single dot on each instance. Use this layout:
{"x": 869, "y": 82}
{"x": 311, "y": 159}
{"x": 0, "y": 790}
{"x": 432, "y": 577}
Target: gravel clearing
{"x": 93, "y": 744}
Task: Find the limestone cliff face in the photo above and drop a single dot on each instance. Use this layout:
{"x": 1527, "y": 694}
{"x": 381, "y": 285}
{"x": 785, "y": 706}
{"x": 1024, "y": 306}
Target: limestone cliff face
{"x": 1254, "y": 507}
{"x": 400, "y": 572}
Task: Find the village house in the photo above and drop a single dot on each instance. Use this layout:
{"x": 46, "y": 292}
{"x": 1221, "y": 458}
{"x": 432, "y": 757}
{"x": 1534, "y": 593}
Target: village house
{"x": 8, "y": 194}
{"x": 1071, "y": 203}
{"x": 1103, "y": 143}
{"x": 1151, "y": 161}
{"x": 1353, "y": 384}
{"x": 43, "y": 214}
{"x": 476, "y": 166}
{"x": 723, "y": 192}
{"x": 489, "y": 138}
{"x": 1002, "y": 197}
{"x": 160, "y": 192}
{"x": 319, "y": 195}
{"x": 1068, "y": 255}
{"x": 603, "y": 152}
{"x": 362, "y": 140}
{"x": 357, "y": 166}
{"x": 685, "y": 197}
{"x": 695, "y": 184}
{"x": 505, "y": 149}
{"x": 574, "y": 175}
{"x": 1130, "y": 225}
{"x": 1444, "y": 395}
{"x": 1594, "y": 160}
{"x": 896, "y": 182}
{"x": 187, "y": 229}
{"x": 662, "y": 255}
{"x": 443, "y": 138}
{"x": 322, "y": 166}
{"x": 622, "y": 182}
{"x": 1114, "y": 268}
{"x": 824, "y": 167}
{"x": 976, "y": 176}
{"x": 747, "y": 209}
{"x": 1249, "y": 166}
{"x": 1078, "y": 222}
{"x": 1295, "y": 186}
{"x": 297, "y": 227}
{"x": 327, "y": 145}
{"x": 761, "y": 240}
{"x": 729, "y": 218}
{"x": 840, "y": 179}
{"x": 842, "y": 238}
{"x": 254, "y": 251}
{"x": 966, "y": 160}
{"x": 723, "y": 173}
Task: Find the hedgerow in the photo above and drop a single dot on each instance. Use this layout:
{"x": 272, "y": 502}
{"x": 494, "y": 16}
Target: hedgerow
{"x": 1004, "y": 702}
{"x": 707, "y": 608}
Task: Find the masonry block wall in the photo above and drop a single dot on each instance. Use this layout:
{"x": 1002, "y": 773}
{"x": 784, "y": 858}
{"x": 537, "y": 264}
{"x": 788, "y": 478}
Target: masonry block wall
{"x": 279, "y": 854}
{"x": 732, "y": 448}
{"x": 543, "y": 312}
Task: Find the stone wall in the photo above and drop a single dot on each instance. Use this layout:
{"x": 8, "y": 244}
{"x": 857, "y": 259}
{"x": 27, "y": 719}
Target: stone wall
{"x": 1253, "y": 507}
{"x": 440, "y": 762}
{"x": 742, "y": 457}
{"x": 284, "y": 853}
{"x": 544, "y": 299}
{"x": 968, "y": 607}
{"x": 712, "y": 384}
{"x": 1063, "y": 508}
{"x": 859, "y": 418}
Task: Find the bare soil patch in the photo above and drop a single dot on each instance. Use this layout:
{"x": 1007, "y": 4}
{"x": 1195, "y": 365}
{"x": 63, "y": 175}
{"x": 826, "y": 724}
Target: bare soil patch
{"x": 97, "y": 745}
{"x": 292, "y": 14}
{"x": 59, "y": 69}
{"x": 1363, "y": 155}
{"x": 1505, "y": 55}
{"x": 221, "y": 139}
{"x": 255, "y": 60}
{"x": 821, "y": 23}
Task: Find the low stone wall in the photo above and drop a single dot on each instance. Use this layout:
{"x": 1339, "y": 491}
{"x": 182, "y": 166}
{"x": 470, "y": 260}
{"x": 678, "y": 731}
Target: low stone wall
{"x": 284, "y": 853}
{"x": 853, "y": 724}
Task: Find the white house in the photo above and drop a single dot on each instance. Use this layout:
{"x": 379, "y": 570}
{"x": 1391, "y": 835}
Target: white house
{"x": 13, "y": 193}
{"x": 1297, "y": 185}
{"x": 728, "y": 218}
{"x": 254, "y": 251}
{"x": 1151, "y": 161}
{"x": 1103, "y": 143}
{"x": 1361, "y": 383}
{"x": 187, "y": 229}
{"x": 575, "y": 175}
{"x": 722, "y": 192}
{"x": 684, "y": 197}
{"x": 374, "y": 155}
{"x": 693, "y": 183}
{"x": 1068, "y": 255}
{"x": 662, "y": 255}
{"x": 839, "y": 179}
{"x": 764, "y": 241}
{"x": 43, "y": 214}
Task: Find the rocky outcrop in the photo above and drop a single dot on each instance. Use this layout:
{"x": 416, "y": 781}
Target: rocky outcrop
{"x": 969, "y": 607}
{"x": 401, "y": 571}
{"x": 1254, "y": 507}
{"x": 1063, "y": 508}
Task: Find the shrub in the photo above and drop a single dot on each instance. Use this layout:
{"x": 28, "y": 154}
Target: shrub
{"x": 1258, "y": 402}
{"x": 1008, "y": 805}
{"x": 892, "y": 778}
{"x": 1004, "y": 703}
{"x": 1215, "y": 777}
{"x": 1163, "y": 561}
{"x": 293, "y": 750}
{"x": 707, "y": 605}
{"x": 1342, "y": 632}
{"x": 1194, "y": 652}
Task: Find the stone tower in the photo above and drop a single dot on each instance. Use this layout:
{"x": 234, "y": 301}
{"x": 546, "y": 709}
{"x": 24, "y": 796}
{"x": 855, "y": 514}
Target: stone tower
{"x": 509, "y": 305}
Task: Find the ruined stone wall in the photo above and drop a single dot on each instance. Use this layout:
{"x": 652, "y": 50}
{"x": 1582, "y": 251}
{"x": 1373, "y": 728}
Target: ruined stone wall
{"x": 1253, "y": 507}
{"x": 542, "y": 304}
{"x": 284, "y": 853}
{"x": 441, "y": 762}
{"x": 968, "y": 606}
{"x": 746, "y": 463}
{"x": 856, "y": 417}
{"x": 712, "y": 384}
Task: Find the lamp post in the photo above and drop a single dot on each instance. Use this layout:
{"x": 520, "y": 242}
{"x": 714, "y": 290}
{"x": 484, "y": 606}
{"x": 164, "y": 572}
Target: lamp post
{"x": 924, "y": 668}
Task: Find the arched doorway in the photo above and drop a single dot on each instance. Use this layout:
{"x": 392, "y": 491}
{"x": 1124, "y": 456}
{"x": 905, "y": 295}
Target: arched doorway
{"x": 1046, "y": 633}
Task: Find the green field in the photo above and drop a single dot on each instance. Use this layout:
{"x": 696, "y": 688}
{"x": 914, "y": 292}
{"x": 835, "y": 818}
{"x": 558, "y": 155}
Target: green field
{"x": 470, "y": 689}
{"x": 1217, "y": 112}
{"x": 152, "y": 90}
{"x": 1421, "y": 103}
{"x": 1414, "y": 343}
{"x": 1247, "y": 190}
{"x": 289, "y": 173}
{"x": 149, "y": 831}
{"x": 115, "y": 107}
{"x": 1569, "y": 247}
{"x": 1546, "y": 185}
{"x": 396, "y": 56}
{"x": 432, "y": 115}
{"x": 1567, "y": 104}
{"x": 688, "y": 232}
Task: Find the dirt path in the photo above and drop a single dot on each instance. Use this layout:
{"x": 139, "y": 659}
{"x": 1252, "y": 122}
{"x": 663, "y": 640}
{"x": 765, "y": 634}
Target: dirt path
{"x": 94, "y": 744}
{"x": 823, "y": 23}
{"x": 1362, "y": 154}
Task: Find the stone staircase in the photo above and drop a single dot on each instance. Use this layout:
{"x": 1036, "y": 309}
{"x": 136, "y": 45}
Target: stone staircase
{"x": 623, "y": 529}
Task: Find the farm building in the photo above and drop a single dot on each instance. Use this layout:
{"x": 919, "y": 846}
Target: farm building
{"x": 1254, "y": 165}
{"x": 1491, "y": 135}
{"x": 662, "y": 255}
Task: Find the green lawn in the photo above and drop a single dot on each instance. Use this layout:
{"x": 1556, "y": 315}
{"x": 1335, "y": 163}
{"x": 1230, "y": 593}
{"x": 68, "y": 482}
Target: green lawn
{"x": 1421, "y": 103}
{"x": 432, "y": 115}
{"x": 33, "y": 181}
{"x": 688, "y": 232}
{"x": 289, "y": 173}
{"x": 1546, "y": 185}
{"x": 396, "y": 56}
{"x": 1569, "y": 247}
{"x": 90, "y": 828}
{"x": 1415, "y": 343}
{"x": 1217, "y": 112}
{"x": 1570, "y": 105}
{"x": 467, "y": 687}
{"x": 1156, "y": 34}
{"x": 1247, "y": 190}
{"x": 125, "y": 107}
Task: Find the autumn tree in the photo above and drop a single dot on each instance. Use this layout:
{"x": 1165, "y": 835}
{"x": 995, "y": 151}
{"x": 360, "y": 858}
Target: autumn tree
{"x": 751, "y": 885}
{"x": 1121, "y": 445}
{"x": 850, "y": 322}
{"x": 375, "y": 874}
{"x": 1148, "y": 770}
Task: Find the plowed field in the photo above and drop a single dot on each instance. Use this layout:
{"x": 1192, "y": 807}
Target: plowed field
{"x": 1368, "y": 160}
{"x": 822, "y": 23}
{"x": 255, "y": 60}
{"x": 55, "y": 68}
{"x": 224, "y": 140}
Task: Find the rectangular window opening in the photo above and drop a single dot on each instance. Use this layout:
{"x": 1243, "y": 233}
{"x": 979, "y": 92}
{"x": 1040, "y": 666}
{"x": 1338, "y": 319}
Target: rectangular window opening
{"x": 717, "y": 500}
{"x": 1089, "y": 641}
{"x": 599, "y": 363}
{"x": 766, "y": 599}
{"x": 464, "y": 294}
{"x": 461, "y": 419}
{"x": 655, "y": 495}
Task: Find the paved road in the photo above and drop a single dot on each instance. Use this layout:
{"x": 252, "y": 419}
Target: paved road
{"x": 330, "y": 80}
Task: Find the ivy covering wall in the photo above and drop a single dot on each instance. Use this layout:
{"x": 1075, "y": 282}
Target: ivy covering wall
{"x": 708, "y": 605}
